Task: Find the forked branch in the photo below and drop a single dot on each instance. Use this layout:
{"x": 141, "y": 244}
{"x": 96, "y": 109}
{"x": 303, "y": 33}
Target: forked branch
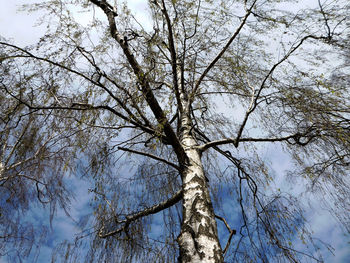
{"x": 142, "y": 79}
{"x": 231, "y": 231}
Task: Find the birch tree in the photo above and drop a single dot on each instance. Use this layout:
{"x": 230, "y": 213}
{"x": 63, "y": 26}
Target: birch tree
{"x": 188, "y": 96}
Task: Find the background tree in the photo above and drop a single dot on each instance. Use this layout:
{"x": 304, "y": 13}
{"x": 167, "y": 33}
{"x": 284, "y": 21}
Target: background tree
{"x": 31, "y": 170}
{"x": 192, "y": 98}
{"x": 35, "y": 155}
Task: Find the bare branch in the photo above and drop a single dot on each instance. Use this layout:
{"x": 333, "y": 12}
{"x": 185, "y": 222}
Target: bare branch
{"x": 171, "y": 42}
{"x": 151, "y": 156}
{"x": 231, "y": 231}
{"x": 146, "y": 212}
{"x": 329, "y": 33}
{"x": 97, "y": 83}
{"x": 77, "y": 106}
{"x": 212, "y": 64}
{"x": 253, "y": 105}
{"x": 309, "y": 134}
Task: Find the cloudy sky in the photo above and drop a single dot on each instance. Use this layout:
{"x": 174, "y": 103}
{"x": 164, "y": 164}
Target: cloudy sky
{"x": 20, "y": 28}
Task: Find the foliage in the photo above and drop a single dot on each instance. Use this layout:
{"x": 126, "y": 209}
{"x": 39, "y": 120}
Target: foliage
{"x": 115, "y": 92}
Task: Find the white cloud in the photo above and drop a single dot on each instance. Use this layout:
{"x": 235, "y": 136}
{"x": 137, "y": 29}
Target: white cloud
{"x": 19, "y": 26}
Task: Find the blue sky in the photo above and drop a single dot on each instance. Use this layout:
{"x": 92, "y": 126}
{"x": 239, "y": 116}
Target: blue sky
{"x": 20, "y": 28}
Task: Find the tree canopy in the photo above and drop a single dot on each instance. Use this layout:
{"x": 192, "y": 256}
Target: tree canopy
{"x": 167, "y": 116}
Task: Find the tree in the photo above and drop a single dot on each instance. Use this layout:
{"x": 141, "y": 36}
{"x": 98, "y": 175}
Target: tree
{"x": 33, "y": 162}
{"x": 118, "y": 87}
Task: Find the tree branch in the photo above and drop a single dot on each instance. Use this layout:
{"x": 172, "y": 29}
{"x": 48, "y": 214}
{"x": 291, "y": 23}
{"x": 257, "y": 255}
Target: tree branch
{"x": 84, "y": 106}
{"x": 119, "y": 87}
{"x": 171, "y": 42}
{"x": 232, "y": 232}
{"x": 144, "y": 83}
{"x": 97, "y": 83}
{"x": 254, "y": 103}
{"x": 148, "y": 211}
{"x": 151, "y": 156}
{"x": 229, "y": 42}
{"x": 296, "y": 137}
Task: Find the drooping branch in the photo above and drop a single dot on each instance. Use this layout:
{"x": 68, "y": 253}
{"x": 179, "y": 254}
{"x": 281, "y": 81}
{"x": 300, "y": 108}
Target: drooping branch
{"x": 34, "y": 156}
{"x": 16, "y": 144}
{"x": 253, "y": 187}
{"x": 146, "y": 212}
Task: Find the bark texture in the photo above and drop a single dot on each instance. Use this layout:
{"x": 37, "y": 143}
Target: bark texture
{"x": 198, "y": 240}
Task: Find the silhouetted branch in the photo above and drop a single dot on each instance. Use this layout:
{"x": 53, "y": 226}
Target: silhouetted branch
{"x": 223, "y": 50}
{"x": 150, "y": 156}
{"x": 148, "y": 211}
{"x": 231, "y": 231}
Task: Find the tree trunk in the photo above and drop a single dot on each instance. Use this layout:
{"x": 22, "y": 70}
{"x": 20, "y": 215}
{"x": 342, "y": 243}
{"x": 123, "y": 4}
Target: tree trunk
{"x": 198, "y": 239}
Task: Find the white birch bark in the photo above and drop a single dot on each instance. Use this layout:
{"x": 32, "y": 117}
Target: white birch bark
{"x": 2, "y": 169}
{"x": 198, "y": 239}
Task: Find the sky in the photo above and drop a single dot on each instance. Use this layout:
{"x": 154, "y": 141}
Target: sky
{"x": 20, "y": 27}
